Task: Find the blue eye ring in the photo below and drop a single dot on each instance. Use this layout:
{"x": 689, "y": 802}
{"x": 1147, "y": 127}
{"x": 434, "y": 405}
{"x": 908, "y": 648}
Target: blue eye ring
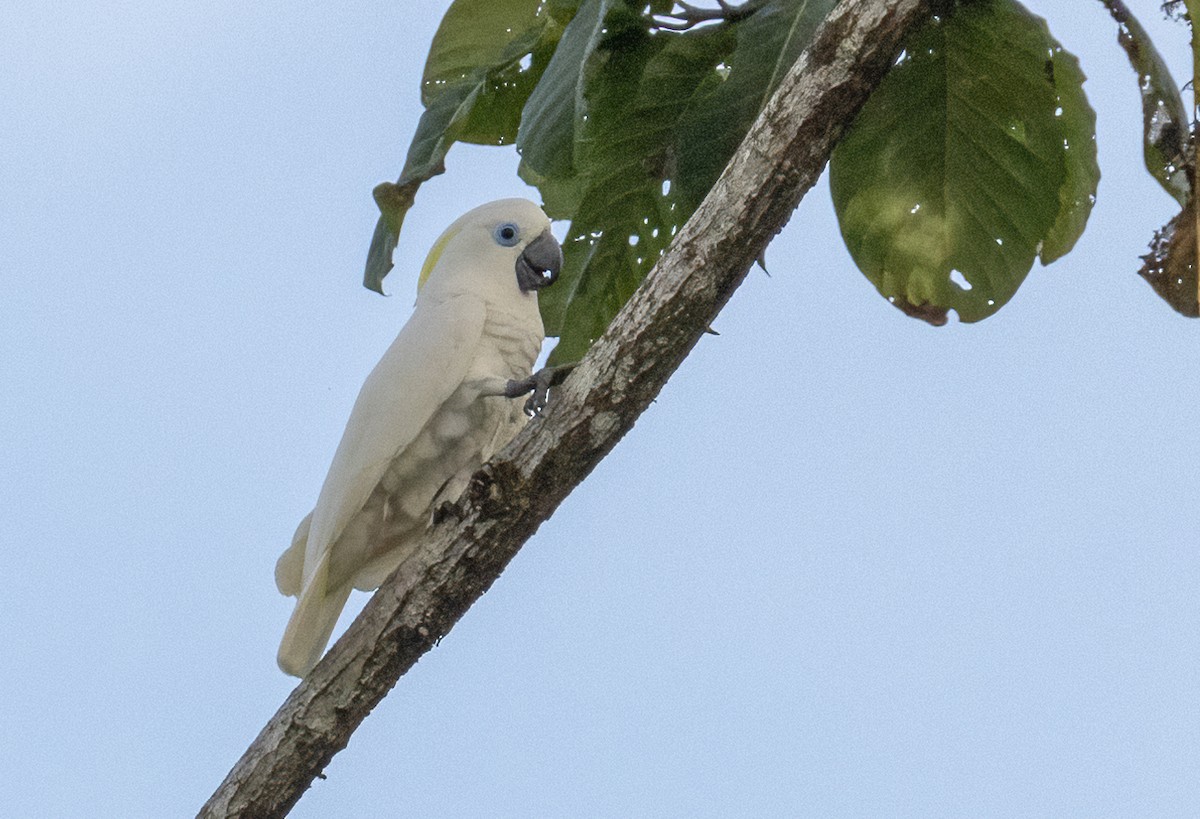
{"x": 507, "y": 234}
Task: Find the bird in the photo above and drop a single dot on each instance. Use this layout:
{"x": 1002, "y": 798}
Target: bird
{"x": 442, "y": 400}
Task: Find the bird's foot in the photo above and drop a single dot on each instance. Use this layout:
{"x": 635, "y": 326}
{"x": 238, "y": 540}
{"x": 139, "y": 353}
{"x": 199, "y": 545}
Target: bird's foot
{"x": 539, "y": 385}
{"x": 446, "y": 510}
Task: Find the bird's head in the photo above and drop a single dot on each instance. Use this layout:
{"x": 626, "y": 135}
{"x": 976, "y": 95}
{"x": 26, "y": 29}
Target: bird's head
{"x": 501, "y": 249}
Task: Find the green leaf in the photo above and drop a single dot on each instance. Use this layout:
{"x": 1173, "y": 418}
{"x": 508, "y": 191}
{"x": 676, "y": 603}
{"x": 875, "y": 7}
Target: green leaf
{"x": 1077, "y": 127}
{"x": 473, "y": 88}
{"x": 624, "y": 136}
{"x": 1170, "y": 266}
{"x": 562, "y": 10}
{"x": 560, "y": 195}
{"x": 627, "y": 212}
{"x": 554, "y": 113}
{"x": 768, "y": 42}
{"x": 953, "y": 173}
{"x": 555, "y": 109}
{"x": 476, "y": 35}
{"x": 1164, "y": 118}
{"x": 495, "y": 115}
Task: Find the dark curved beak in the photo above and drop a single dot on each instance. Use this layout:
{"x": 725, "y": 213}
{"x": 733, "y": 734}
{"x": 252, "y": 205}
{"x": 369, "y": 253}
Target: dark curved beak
{"x": 539, "y": 263}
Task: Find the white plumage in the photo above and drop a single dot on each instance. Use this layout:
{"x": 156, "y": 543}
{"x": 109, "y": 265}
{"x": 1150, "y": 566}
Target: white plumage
{"x": 430, "y": 413}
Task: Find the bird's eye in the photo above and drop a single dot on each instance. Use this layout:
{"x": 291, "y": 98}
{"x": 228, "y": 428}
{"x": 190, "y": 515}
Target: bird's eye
{"x": 507, "y": 234}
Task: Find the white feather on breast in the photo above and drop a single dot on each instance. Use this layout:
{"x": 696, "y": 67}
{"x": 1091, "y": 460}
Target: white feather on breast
{"x": 436, "y": 466}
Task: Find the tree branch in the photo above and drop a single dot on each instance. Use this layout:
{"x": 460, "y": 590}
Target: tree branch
{"x": 781, "y": 158}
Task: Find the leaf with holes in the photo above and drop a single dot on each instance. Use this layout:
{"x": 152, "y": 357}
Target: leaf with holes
{"x": 1077, "y": 127}
{"x": 483, "y": 64}
{"x": 554, "y": 113}
{"x": 628, "y": 212}
{"x": 1170, "y": 266}
{"x": 1164, "y": 118}
{"x": 768, "y": 43}
{"x": 955, "y": 171}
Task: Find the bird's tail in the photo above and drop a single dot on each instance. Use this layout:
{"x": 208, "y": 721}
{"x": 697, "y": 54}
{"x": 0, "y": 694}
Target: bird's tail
{"x": 289, "y": 569}
{"x": 312, "y": 622}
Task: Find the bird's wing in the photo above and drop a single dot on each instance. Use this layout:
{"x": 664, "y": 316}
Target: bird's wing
{"x": 428, "y": 360}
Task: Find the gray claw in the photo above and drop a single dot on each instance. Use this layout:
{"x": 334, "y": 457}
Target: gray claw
{"x": 541, "y": 392}
{"x": 539, "y": 384}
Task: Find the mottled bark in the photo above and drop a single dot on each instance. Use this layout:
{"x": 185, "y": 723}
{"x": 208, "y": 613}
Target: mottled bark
{"x": 458, "y": 560}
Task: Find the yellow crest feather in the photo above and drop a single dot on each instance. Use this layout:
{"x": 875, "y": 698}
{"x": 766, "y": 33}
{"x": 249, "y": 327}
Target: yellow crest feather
{"x": 435, "y": 253}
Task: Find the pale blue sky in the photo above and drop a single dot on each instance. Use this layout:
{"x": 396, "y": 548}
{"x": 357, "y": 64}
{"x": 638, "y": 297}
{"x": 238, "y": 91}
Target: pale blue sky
{"x": 847, "y": 565}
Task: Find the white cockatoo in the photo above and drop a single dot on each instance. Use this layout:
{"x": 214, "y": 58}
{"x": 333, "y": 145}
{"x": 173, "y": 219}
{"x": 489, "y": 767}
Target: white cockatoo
{"x": 443, "y": 399}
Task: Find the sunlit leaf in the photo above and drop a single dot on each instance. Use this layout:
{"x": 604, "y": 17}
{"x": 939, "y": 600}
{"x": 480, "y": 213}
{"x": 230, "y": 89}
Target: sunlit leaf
{"x": 953, "y": 174}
